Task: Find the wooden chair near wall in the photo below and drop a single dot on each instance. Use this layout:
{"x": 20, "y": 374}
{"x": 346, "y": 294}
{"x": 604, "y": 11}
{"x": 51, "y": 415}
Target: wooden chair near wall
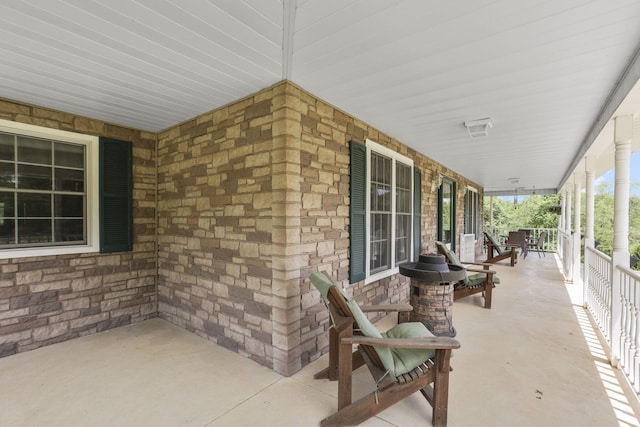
{"x": 482, "y": 280}
{"x": 405, "y": 359}
{"x": 496, "y": 252}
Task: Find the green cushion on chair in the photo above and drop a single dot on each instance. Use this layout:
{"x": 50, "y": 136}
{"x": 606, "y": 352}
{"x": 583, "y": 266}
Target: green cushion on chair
{"x": 397, "y": 361}
{"x": 407, "y": 359}
{"x": 478, "y": 279}
{"x": 368, "y": 330}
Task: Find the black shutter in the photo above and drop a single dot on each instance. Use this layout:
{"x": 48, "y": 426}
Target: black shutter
{"x": 116, "y": 182}
{"x": 417, "y": 212}
{"x": 357, "y": 212}
{"x": 467, "y": 212}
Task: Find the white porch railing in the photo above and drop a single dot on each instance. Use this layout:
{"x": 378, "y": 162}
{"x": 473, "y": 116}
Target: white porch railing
{"x": 598, "y": 282}
{"x": 565, "y": 250}
{"x": 629, "y": 325}
{"x": 550, "y": 241}
{"x": 598, "y": 289}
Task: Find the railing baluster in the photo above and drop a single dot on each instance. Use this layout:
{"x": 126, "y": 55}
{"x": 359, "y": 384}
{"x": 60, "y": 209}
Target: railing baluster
{"x": 635, "y": 361}
{"x": 625, "y": 324}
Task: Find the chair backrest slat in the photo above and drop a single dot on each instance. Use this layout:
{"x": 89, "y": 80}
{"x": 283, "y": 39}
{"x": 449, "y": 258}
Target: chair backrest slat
{"x": 492, "y": 240}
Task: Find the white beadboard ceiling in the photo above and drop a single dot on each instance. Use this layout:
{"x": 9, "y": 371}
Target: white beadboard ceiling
{"x": 549, "y": 73}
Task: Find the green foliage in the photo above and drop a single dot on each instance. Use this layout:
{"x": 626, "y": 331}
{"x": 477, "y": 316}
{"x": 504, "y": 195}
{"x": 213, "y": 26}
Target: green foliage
{"x": 541, "y": 212}
{"x": 523, "y": 212}
{"x": 603, "y": 219}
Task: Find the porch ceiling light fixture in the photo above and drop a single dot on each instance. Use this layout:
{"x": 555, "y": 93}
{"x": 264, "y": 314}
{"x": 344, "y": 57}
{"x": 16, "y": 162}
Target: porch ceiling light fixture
{"x": 478, "y": 128}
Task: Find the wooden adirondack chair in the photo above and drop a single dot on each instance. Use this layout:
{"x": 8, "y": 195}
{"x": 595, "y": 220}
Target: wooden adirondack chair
{"x": 500, "y": 252}
{"x": 403, "y": 360}
{"x": 481, "y": 280}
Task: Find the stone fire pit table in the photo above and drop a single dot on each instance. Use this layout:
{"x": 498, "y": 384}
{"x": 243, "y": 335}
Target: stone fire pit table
{"x": 432, "y": 282}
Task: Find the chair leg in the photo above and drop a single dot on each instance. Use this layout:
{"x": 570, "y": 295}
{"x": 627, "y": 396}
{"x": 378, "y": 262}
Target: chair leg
{"x": 441, "y": 388}
{"x": 488, "y": 291}
{"x": 344, "y": 368}
{"x": 331, "y": 372}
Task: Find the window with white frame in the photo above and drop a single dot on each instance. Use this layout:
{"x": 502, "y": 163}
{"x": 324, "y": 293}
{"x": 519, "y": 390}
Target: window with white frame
{"x": 389, "y": 211}
{"x": 48, "y": 191}
{"x": 472, "y": 212}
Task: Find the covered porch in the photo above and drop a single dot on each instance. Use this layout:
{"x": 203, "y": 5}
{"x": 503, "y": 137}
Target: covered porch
{"x": 533, "y": 359}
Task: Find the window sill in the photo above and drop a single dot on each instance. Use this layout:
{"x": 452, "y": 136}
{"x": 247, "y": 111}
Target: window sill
{"x": 47, "y": 251}
{"x": 381, "y": 275}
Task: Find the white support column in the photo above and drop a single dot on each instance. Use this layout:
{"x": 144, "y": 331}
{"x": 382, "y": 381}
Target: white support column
{"x": 491, "y": 230}
{"x": 589, "y": 240}
{"x": 620, "y": 256}
{"x": 567, "y": 219}
{"x": 563, "y": 208}
{"x": 577, "y": 237}
{"x": 567, "y": 253}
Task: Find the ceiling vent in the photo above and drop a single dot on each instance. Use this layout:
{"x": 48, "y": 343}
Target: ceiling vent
{"x": 478, "y": 128}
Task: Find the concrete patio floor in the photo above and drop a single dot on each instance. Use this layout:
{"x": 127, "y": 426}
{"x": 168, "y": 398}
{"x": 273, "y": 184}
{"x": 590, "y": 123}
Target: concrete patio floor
{"x": 532, "y": 360}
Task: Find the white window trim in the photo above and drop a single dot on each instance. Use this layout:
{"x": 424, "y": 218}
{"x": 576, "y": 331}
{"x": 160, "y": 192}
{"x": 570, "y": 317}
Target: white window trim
{"x": 92, "y": 168}
{"x": 375, "y": 147}
{"x": 476, "y": 219}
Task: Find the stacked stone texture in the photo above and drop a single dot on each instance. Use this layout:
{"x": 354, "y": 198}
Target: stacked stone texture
{"x": 252, "y": 197}
{"x": 44, "y": 300}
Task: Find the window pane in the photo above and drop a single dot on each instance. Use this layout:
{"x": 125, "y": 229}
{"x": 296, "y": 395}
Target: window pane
{"x": 34, "y": 231}
{"x": 7, "y": 222}
{"x": 7, "y": 175}
{"x": 6, "y": 205}
{"x": 446, "y": 214}
{"x": 380, "y": 242}
{"x": 34, "y": 205}
{"x": 69, "y": 206}
{"x": 380, "y": 183}
{"x": 34, "y": 177}
{"x": 70, "y": 155}
{"x": 31, "y": 150}
{"x": 6, "y": 146}
{"x": 403, "y": 176}
{"x": 403, "y": 238}
{"x": 7, "y": 232}
{"x": 69, "y": 180}
{"x": 69, "y": 230}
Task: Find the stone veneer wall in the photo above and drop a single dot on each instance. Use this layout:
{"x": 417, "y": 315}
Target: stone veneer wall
{"x": 324, "y": 146}
{"x": 218, "y": 179}
{"x": 253, "y": 197}
{"x": 44, "y": 300}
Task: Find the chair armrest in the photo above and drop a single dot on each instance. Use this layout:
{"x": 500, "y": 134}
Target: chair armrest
{"x": 484, "y": 264}
{"x": 387, "y": 308}
{"x": 342, "y": 323}
{"x": 434, "y": 343}
{"x": 478, "y": 270}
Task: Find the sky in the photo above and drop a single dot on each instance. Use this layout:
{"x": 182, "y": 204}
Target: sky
{"x": 635, "y": 175}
